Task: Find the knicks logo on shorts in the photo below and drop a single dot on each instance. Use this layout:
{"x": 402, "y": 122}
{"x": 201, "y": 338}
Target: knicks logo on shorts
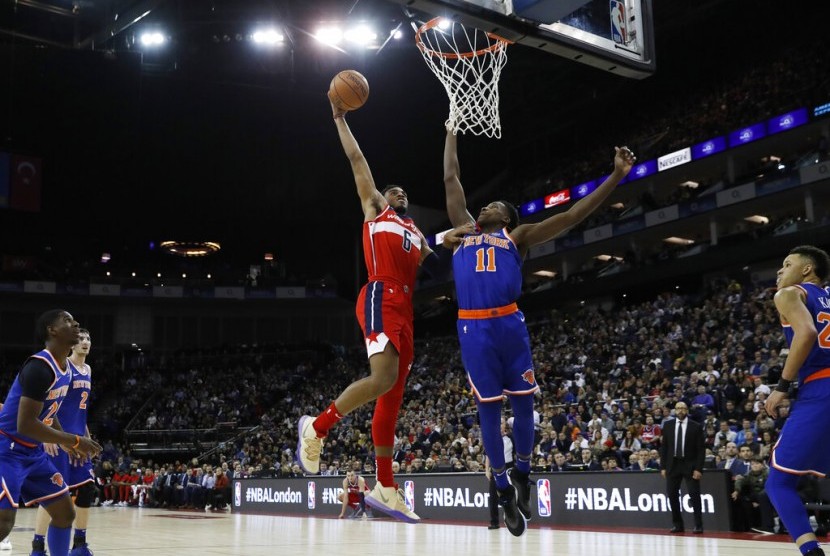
{"x": 529, "y": 377}
{"x": 57, "y": 479}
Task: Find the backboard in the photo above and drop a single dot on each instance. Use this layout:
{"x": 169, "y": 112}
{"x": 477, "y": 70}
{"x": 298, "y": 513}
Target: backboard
{"x": 613, "y": 35}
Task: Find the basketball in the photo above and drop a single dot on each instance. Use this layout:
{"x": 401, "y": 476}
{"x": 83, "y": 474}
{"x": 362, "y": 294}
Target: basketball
{"x": 350, "y": 89}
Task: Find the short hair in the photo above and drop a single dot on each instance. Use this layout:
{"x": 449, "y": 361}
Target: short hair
{"x": 84, "y": 331}
{"x": 44, "y": 321}
{"x": 513, "y": 214}
{"x": 388, "y": 187}
{"x": 819, "y": 258}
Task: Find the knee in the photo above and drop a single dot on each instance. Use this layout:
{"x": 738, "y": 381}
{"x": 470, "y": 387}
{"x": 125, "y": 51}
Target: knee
{"x": 384, "y": 381}
{"x": 64, "y": 517}
{"x": 85, "y": 495}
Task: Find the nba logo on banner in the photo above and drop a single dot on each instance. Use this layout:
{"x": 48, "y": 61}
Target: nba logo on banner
{"x": 312, "y": 495}
{"x": 237, "y": 494}
{"x": 543, "y": 495}
{"x": 409, "y": 495}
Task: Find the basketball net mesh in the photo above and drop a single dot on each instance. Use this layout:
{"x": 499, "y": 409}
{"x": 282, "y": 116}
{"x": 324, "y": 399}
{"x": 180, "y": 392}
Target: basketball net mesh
{"x": 468, "y": 62}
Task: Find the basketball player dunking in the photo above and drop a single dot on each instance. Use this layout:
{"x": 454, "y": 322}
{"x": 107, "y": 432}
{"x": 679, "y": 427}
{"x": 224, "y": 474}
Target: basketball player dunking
{"x": 393, "y": 249}
{"x": 495, "y": 346}
{"x": 804, "y": 306}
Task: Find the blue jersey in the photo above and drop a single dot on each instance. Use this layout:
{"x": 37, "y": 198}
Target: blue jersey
{"x": 72, "y": 414}
{"x": 55, "y": 395}
{"x": 817, "y": 300}
{"x": 487, "y": 270}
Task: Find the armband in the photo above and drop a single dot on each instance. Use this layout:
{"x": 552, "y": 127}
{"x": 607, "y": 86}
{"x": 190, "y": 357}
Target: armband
{"x": 783, "y": 385}
{"x": 432, "y": 265}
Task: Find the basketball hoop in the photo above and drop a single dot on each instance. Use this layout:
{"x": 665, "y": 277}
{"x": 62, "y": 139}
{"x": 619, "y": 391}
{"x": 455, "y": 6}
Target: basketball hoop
{"x": 468, "y": 62}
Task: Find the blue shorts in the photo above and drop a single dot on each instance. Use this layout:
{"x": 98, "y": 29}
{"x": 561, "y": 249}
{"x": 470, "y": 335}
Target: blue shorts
{"x": 74, "y": 474}
{"x": 496, "y": 355}
{"x": 28, "y": 473}
{"x": 799, "y": 449}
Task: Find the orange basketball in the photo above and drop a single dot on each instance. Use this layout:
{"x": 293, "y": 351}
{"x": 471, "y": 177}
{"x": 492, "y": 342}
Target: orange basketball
{"x": 350, "y": 89}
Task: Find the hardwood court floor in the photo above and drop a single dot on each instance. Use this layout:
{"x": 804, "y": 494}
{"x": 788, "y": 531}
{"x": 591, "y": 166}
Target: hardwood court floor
{"x": 146, "y": 532}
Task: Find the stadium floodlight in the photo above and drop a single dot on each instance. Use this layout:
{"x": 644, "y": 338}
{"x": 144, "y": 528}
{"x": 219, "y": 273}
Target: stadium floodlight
{"x": 361, "y": 34}
{"x": 444, "y": 24}
{"x": 268, "y": 37}
{"x": 152, "y": 38}
{"x": 330, "y": 35}
{"x": 397, "y": 34}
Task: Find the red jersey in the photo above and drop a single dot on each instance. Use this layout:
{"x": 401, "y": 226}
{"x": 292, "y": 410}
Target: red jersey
{"x": 392, "y": 248}
{"x": 353, "y": 492}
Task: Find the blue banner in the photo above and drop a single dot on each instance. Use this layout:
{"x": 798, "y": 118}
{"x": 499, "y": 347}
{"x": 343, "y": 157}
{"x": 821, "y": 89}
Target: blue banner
{"x": 531, "y": 207}
{"x": 583, "y": 189}
{"x": 776, "y": 185}
{"x": 642, "y": 170}
{"x": 708, "y": 148}
{"x": 570, "y": 241}
{"x": 629, "y": 225}
{"x": 788, "y": 121}
{"x": 701, "y": 204}
{"x": 747, "y": 135}
{"x": 822, "y": 109}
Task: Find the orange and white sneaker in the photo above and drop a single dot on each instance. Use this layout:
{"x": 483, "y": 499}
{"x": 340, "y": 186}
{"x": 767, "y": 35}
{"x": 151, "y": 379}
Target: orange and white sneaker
{"x": 309, "y": 446}
{"x": 390, "y": 500}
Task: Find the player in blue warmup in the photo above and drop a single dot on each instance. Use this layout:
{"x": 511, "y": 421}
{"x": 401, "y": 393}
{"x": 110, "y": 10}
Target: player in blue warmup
{"x": 495, "y": 346}
{"x": 28, "y": 419}
{"x": 77, "y": 472}
{"x": 804, "y": 307}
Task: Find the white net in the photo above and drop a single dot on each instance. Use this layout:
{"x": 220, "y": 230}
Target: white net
{"x": 468, "y": 62}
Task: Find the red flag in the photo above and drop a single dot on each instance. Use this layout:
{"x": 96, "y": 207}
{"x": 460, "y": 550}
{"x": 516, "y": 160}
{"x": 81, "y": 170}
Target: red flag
{"x": 26, "y": 183}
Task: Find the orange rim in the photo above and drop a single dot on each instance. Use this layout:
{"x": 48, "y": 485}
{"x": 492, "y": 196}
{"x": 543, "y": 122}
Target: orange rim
{"x": 501, "y": 42}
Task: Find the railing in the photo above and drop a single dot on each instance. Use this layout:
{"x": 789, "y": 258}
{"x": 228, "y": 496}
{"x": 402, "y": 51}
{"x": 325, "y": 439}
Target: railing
{"x": 181, "y": 440}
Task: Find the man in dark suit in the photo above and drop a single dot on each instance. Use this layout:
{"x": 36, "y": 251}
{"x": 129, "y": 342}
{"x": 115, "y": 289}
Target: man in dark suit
{"x": 682, "y": 454}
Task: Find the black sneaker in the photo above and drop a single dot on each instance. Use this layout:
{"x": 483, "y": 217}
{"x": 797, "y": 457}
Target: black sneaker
{"x": 815, "y": 552}
{"x": 522, "y": 483}
{"x": 513, "y": 518}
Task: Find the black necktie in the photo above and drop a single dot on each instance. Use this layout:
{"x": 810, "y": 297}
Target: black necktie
{"x": 678, "y": 445}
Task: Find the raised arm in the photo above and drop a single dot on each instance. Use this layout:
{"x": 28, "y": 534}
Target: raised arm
{"x": 456, "y": 202}
{"x": 370, "y": 198}
{"x": 528, "y": 235}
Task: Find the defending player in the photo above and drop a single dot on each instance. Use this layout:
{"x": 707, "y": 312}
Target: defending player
{"x": 77, "y": 473}
{"x": 495, "y": 346}
{"x": 393, "y": 249}
{"x": 804, "y": 307}
{"x": 28, "y": 419}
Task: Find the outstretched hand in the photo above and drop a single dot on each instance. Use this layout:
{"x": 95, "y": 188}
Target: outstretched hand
{"x": 624, "y": 160}
{"x": 454, "y": 236}
{"x": 336, "y": 110}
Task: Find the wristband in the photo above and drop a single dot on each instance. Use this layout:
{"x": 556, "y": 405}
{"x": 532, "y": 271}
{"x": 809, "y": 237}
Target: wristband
{"x": 77, "y": 442}
{"x": 783, "y": 385}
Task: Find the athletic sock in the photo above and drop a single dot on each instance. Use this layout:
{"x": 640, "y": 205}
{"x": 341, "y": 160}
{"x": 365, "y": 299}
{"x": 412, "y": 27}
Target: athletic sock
{"x": 326, "y": 420}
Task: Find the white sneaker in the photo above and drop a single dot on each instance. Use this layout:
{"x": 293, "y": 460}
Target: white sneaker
{"x": 308, "y": 446}
{"x": 5, "y": 544}
{"x": 390, "y": 501}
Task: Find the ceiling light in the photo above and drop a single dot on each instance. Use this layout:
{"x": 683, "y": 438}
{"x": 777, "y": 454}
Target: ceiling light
{"x": 397, "y": 34}
{"x": 444, "y": 23}
{"x": 545, "y": 273}
{"x": 757, "y": 219}
{"x": 618, "y": 206}
{"x": 153, "y": 38}
{"x": 361, "y": 34}
{"x": 607, "y": 258}
{"x": 679, "y": 240}
{"x": 329, "y": 35}
{"x": 267, "y": 36}
{"x": 269, "y": 256}
{"x": 105, "y": 257}
{"x": 190, "y": 248}
{"x": 690, "y": 184}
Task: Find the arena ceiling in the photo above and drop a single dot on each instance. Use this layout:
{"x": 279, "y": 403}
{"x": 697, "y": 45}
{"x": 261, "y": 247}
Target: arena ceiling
{"x": 212, "y": 138}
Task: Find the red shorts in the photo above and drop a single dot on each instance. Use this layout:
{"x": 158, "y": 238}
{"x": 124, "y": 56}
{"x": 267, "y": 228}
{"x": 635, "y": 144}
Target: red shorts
{"x": 384, "y": 312}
